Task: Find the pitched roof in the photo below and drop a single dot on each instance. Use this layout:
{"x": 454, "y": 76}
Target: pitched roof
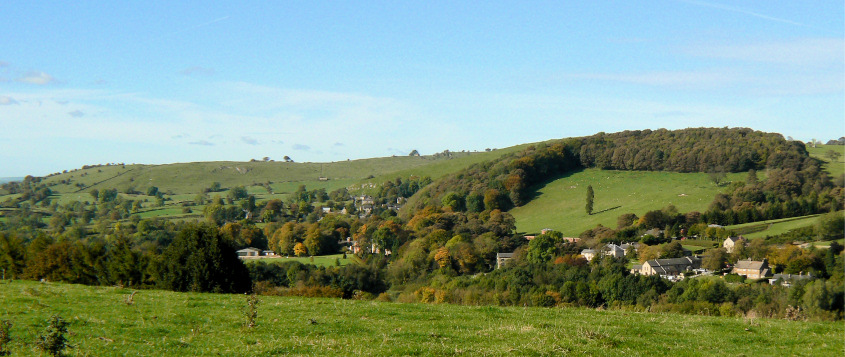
{"x": 751, "y": 264}
{"x": 504, "y": 255}
{"x": 673, "y": 266}
{"x": 791, "y": 276}
{"x": 250, "y": 249}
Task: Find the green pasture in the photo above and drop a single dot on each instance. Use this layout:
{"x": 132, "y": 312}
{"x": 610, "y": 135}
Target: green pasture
{"x": 559, "y": 204}
{"x": 319, "y": 260}
{"x": 284, "y": 177}
{"x": 160, "y": 323}
{"x": 827, "y": 243}
{"x": 774, "y": 227}
{"x": 834, "y": 167}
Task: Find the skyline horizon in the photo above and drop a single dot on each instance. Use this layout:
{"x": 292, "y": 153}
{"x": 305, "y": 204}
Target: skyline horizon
{"x": 822, "y": 141}
{"x": 322, "y": 81}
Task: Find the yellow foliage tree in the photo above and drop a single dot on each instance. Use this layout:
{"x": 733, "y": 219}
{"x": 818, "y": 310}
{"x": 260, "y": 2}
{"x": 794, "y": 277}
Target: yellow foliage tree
{"x": 299, "y": 249}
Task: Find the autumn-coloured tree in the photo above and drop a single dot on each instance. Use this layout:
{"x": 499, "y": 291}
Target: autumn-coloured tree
{"x": 299, "y": 250}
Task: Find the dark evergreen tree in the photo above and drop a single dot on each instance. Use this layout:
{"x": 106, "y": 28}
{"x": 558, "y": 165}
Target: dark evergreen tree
{"x": 199, "y": 259}
{"x": 590, "y": 198}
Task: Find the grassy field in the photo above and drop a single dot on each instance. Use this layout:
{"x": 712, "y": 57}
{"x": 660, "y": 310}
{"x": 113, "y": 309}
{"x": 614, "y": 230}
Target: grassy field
{"x": 560, "y": 203}
{"x": 836, "y": 167}
{"x": 191, "y": 178}
{"x": 162, "y": 323}
{"x": 182, "y": 181}
{"x": 320, "y": 260}
{"x": 774, "y": 227}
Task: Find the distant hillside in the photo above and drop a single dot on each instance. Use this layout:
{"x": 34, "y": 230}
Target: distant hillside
{"x": 191, "y": 178}
{"x": 510, "y": 181}
{"x": 10, "y": 179}
{"x": 559, "y": 204}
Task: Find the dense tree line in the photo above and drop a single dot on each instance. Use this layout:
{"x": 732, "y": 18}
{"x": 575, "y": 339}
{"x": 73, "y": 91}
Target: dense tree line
{"x": 443, "y": 247}
{"x": 509, "y": 180}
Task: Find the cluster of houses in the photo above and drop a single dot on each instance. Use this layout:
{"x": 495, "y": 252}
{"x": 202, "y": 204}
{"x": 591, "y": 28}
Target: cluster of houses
{"x": 677, "y": 268}
{"x": 355, "y": 248}
{"x": 366, "y": 203}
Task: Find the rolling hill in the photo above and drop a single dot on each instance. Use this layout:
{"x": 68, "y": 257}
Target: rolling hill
{"x": 559, "y": 204}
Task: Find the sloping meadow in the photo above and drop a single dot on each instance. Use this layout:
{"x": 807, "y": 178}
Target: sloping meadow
{"x": 112, "y": 321}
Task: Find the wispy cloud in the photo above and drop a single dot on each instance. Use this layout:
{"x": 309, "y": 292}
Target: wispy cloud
{"x": 197, "y": 71}
{"x": 4, "y": 64}
{"x": 39, "y": 78}
{"x": 5, "y": 100}
{"x": 249, "y": 141}
{"x": 698, "y": 79}
{"x": 742, "y": 11}
{"x": 300, "y": 147}
{"x": 803, "y": 52}
{"x": 76, "y": 114}
{"x": 202, "y": 143}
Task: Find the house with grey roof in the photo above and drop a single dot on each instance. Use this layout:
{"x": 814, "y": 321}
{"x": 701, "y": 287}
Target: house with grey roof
{"x": 249, "y": 253}
{"x": 789, "y": 279}
{"x": 670, "y": 267}
{"x": 731, "y": 242}
{"x": 613, "y": 250}
{"x": 502, "y": 258}
{"x": 589, "y": 254}
{"x": 752, "y": 269}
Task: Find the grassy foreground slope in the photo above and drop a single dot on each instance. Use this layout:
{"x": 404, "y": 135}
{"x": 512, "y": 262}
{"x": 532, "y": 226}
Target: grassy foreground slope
{"x": 559, "y": 204}
{"x": 176, "y": 324}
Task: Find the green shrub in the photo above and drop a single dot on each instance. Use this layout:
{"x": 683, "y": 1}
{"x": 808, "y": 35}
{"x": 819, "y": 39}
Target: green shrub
{"x": 5, "y": 336}
{"x": 53, "y": 340}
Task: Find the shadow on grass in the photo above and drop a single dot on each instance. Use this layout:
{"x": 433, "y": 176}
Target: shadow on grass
{"x": 605, "y": 210}
{"x": 534, "y": 191}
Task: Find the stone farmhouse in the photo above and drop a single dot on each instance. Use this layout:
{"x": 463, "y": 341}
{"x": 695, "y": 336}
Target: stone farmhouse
{"x": 670, "y": 268}
{"x": 752, "y": 269}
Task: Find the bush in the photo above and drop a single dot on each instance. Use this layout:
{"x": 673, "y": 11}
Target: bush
{"x": 251, "y": 311}
{"x": 5, "y": 336}
{"x": 53, "y": 340}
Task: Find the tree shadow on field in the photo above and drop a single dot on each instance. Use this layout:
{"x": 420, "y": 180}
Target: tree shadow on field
{"x": 534, "y": 191}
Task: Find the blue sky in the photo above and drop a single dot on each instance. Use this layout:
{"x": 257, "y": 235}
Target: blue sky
{"x": 154, "y": 82}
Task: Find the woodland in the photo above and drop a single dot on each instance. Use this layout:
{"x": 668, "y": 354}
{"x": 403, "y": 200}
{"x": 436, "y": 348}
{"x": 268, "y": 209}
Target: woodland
{"x": 444, "y": 239}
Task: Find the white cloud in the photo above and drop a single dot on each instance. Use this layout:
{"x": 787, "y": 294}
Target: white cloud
{"x": 817, "y": 52}
{"x": 202, "y": 143}
{"x": 742, "y": 11}
{"x": 301, "y": 147}
{"x": 249, "y": 141}
{"x": 76, "y": 114}
{"x": 690, "y": 79}
{"x": 39, "y": 78}
{"x": 5, "y": 100}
